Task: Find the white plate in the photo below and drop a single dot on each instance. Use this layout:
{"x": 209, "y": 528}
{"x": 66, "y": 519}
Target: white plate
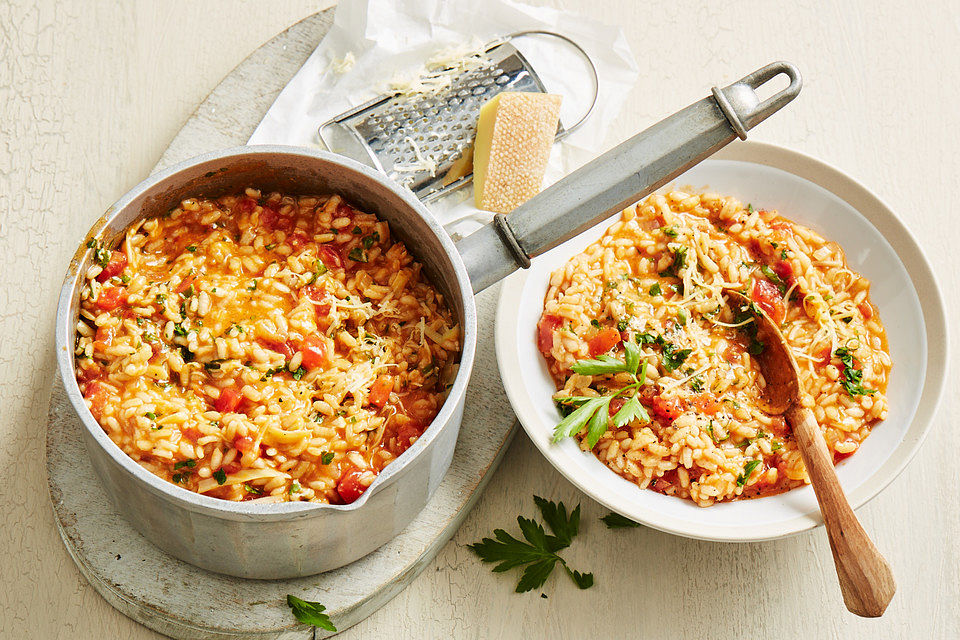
{"x": 877, "y": 245}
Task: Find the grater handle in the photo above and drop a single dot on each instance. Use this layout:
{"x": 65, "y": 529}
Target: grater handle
{"x": 623, "y": 175}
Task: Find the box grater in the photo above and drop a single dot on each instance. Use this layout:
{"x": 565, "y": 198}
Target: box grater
{"x": 424, "y": 139}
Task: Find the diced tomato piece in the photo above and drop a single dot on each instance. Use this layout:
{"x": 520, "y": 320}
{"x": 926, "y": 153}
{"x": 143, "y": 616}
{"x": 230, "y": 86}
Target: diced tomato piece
{"x": 329, "y": 256}
{"x": 669, "y": 408}
{"x": 312, "y": 292}
{"x": 88, "y": 373}
{"x": 780, "y": 225}
{"x": 785, "y": 270}
{"x": 413, "y": 405}
{"x": 268, "y": 218}
{"x": 768, "y": 298}
{"x": 349, "y": 486}
{"x": 246, "y": 204}
{"x": 297, "y": 239}
{"x": 616, "y": 404}
{"x": 605, "y": 340}
{"x": 824, "y": 355}
{"x": 104, "y": 337}
{"x": 186, "y": 283}
{"x": 243, "y": 443}
{"x": 314, "y": 350}
{"x": 286, "y": 349}
{"x": 116, "y": 265}
{"x": 97, "y": 395}
{"x": 192, "y": 434}
{"x": 284, "y": 223}
{"x": 111, "y": 297}
{"x": 706, "y": 403}
{"x": 345, "y": 210}
{"x": 380, "y": 391}
{"x": 866, "y": 310}
{"x": 548, "y": 324}
{"x": 228, "y": 401}
{"x": 233, "y": 467}
{"x": 407, "y": 434}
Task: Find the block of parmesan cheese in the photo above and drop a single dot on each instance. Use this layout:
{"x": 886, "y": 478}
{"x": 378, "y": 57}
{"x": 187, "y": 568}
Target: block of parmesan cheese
{"x": 514, "y": 135}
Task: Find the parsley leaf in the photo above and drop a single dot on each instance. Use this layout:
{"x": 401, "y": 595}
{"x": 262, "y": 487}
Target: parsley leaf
{"x": 747, "y": 470}
{"x": 770, "y": 275}
{"x": 679, "y": 260}
{"x": 616, "y": 521}
{"x": 673, "y": 357}
{"x": 185, "y": 463}
{"x": 357, "y": 255}
{"x": 852, "y": 377}
{"x": 326, "y": 457}
{"x": 655, "y": 289}
{"x": 537, "y": 552}
{"x": 311, "y": 613}
{"x": 220, "y": 476}
{"x": 630, "y": 411}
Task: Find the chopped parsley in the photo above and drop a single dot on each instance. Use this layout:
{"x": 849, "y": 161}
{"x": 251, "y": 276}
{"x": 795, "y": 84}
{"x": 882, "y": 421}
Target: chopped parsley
{"x": 161, "y": 298}
{"x": 318, "y": 270}
{"x": 623, "y": 324}
{"x": 213, "y": 365}
{"x": 220, "y": 476}
{"x": 185, "y": 463}
{"x": 299, "y": 373}
{"x": 655, "y": 289}
{"x": 254, "y": 490}
{"x": 696, "y": 384}
{"x": 179, "y": 330}
{"x": 852, "y": 377}
{"x": 357, "y": 255}
{"x": 357, "y": 231}
{"x": 326, "y": 457}
{"x": 180, "y": 478}
{"x": 595, "y": 323}
{"x": 783, "y": 254}
{"x": 770, "y": 275}
{"x": 747, "y": 470}
{"x": 370, "y": 240}
{"x": 679, "y": 261}
{"x": 537, "y": 552}
{"x": 294, "y": 488}
{"x": 252, "y": 287}
{"x": 192, "y": 248}
{"x": 150, "y": 415}
{"x": 669, "y": 231}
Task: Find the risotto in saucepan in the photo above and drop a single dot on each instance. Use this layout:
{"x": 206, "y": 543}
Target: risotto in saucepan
{"x": 654, "y": 369}
{"x": 263, "y": 347}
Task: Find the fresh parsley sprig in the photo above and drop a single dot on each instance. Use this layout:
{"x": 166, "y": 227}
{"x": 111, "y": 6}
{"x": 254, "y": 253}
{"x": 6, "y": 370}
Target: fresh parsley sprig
{"x": 537, "y": 553}
{"x": 311, "y": 613}
{"x": 594, "y": 413}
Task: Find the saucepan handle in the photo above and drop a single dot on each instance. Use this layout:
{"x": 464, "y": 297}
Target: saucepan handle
{"x": 623, "y": 175}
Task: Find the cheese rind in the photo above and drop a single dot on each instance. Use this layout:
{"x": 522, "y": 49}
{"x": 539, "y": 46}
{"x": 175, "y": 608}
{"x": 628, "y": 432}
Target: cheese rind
{"x": 515, "y": 133}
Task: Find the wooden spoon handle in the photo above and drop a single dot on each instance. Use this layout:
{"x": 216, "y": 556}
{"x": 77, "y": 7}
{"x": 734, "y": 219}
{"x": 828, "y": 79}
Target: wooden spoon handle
{"x": 865, "y": 577}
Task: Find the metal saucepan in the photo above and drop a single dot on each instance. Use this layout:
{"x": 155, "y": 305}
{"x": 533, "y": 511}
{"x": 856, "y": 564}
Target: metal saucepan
{"x": 296, "y": 539}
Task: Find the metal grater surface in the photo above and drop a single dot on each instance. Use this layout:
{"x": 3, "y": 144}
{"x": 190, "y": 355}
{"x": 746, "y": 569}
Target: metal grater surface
{"x": 440, "y": 125}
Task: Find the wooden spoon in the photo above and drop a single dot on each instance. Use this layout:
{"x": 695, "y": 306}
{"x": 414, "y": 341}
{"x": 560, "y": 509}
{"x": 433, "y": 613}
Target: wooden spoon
{"x": 865, "y": 577}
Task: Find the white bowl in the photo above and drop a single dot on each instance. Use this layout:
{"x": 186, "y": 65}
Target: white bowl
{"x": 904, "y": 290}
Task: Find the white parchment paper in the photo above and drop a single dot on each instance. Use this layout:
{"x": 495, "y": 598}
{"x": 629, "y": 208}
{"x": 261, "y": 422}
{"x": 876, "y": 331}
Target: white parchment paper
{"x": 374, "y": 42}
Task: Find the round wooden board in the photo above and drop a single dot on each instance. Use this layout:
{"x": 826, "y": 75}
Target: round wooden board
{"x": 183, "y": 601}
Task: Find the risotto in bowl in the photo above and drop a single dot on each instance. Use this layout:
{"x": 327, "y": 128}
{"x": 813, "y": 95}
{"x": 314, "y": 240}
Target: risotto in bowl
{"x": 646, "y": 391}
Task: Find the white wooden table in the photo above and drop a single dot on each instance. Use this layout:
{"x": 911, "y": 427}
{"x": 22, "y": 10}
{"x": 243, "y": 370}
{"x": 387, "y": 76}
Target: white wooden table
{"x": 91, "y": 93}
